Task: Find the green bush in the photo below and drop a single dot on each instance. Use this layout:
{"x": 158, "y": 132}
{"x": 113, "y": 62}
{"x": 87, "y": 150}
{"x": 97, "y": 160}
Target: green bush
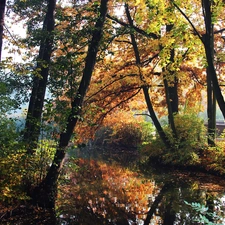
{"x": 147, "y": 132}
{"x": 8, "y": 136}
{"x": 214, "y": 158}
{"x": 20, "y": 171}
{"x": 187, "y": 147}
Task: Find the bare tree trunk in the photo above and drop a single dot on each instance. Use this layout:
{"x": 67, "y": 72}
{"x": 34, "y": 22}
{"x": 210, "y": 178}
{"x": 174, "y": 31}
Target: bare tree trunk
{"x": 2, "y": 15}
{"x": 211, "y": 111}
{"x": 33, "y": 120}
{"x": 171, "y": 91}
{"x": 209, "y": 49}
{"x": 45, "y": 194}
{"x": 169, "y": 107}
{"x": 211, "y": 99}
{"x": 155, "y": 120}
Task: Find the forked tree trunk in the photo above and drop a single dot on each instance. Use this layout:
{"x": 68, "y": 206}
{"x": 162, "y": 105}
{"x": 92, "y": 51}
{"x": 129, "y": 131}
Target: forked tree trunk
{"x": 2, "y": 15}
{"x": 45, "y": 194}
{"x": 33, "y": 120}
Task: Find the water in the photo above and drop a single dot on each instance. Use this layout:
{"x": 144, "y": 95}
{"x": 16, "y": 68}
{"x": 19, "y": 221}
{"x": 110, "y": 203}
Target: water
{"x": 105, "y": 188}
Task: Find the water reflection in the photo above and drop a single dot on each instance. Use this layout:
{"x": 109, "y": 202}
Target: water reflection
{"x": 96, "y": 192}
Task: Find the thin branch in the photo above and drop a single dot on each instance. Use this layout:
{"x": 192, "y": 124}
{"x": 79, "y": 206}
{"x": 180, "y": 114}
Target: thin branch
{"x": 124, "y": 41}
{"x": 11, "y": 34}
{"x": 219, "y": 31}
{"x": 117, "y": 105}
{"x": 142, "y": 114}
{"x": 107, "y": 85}
{"x": 117, "y": 94}
{"x": 100, "y": 120}
{"x": 149, "y": 60}
{"x": 110, "y": 40}
{"x": 138, "y": 30}
{"x": 189, "y": 21}
{"x": 194, "y": 75}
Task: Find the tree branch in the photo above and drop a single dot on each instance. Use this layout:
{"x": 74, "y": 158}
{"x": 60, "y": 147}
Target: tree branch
{"x": 189, "y": 21}
{"x": 117, "y": 105}
{"x": 107, "y": 85}
{"x": 219, "y": 31}
{"x": 138, "y": 30}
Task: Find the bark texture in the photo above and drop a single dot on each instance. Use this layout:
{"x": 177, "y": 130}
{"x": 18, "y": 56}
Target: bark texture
{"x": 209, "y": 50}
{"x": 33, "y": 120}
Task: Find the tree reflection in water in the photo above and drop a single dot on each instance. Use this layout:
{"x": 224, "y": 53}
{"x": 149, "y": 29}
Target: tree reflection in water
{"x": 98, "y": 193}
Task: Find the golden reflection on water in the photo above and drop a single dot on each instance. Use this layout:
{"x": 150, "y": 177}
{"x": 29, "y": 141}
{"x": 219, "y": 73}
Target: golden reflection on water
{"x": 92, "y": 192}
{"x": 107, "y": 190}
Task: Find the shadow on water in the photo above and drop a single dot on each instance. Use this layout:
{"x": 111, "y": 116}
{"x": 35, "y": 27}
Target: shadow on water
{"x": 103, "y": 189}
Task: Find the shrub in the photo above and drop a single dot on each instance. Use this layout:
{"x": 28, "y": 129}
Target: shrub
{"x": 19, "y": 171}
{"x": 213, "y": 158}
{"x": 124, "y": 129}
{"x": 191, "y": 140}
{"x": 127, "y": 135}
{"x": 8, "y": 136}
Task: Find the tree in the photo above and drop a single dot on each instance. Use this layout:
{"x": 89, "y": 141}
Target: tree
{"x": 33, "y": 120}
{"x": 171, "y": 87}
{"x": 45, "y": 194}
{"x": 207, "y": 6}
{"x": 118, "y": 80}
{"x": 2, "y": 12}
{"x": 149, "y": 45}
{"x": 145, "y": 86}
{"x": 210, "y": 18}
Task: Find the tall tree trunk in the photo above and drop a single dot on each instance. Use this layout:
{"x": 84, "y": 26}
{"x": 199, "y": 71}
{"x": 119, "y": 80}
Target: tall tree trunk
{"x": 211, "y": 111}
{"x": 45, "y": 194}
{"x": 33, "y": 120}
{"x": 174, "y": 100}
{"x": 145, "y": 87}
{"x": 171, "y": 90}
{"x": 2, "y": 15}
{"x": 211, "y": 99}
{"x": 207, "y": 41}
{"x": 169, "y": 107}
{"x": 173, "y": 86}
{"x": 155, "y": 120}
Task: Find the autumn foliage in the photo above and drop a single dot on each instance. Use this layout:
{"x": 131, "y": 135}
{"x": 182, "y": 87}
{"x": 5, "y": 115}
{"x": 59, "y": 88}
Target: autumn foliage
{"x": 144, "y": 61}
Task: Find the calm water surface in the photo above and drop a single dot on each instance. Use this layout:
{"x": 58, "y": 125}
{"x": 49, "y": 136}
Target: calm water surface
{"x": 110, "y": 190}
